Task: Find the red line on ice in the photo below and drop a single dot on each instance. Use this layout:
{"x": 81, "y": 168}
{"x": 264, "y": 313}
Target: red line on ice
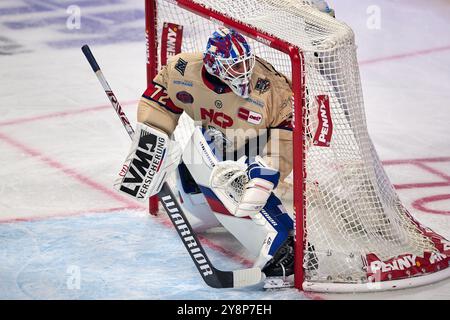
{"x": 421, "y": 185}
{"x": 69, "y": 214}
{"x": 421, "y": 163}
{"x": 433, "y": 171}
{"x": 61, "y": 114}
{"x": 66, "y": 170}
{"x": 419, "y": 204}
{"x": 405, "y": 55}
{"x": 413, "y": 161}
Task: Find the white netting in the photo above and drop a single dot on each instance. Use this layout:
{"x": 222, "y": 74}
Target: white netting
{"x": 352, "y": 209}
{"x": 231, "y": 177}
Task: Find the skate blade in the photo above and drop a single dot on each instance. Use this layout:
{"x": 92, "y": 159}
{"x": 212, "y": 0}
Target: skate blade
{"x": 276, "y": 283}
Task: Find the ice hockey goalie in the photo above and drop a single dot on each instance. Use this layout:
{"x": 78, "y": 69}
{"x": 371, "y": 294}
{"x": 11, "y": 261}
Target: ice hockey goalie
{"x": 239, "y": 152}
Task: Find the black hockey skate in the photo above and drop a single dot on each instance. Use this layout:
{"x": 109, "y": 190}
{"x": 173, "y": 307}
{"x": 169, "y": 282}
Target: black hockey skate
{"x": 279, "y": 270}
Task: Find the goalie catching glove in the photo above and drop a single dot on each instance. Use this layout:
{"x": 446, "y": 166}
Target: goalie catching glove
{"x": 152, "y": 157}
{"x": 243, "y": 190}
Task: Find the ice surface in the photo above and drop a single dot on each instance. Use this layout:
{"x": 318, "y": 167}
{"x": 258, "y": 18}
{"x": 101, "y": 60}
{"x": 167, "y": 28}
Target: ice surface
{"x": 61, "y": 146}
{"x": 124, "y": 255}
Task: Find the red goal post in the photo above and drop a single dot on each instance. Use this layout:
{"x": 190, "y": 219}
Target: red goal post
{"x": 151, "y": 43}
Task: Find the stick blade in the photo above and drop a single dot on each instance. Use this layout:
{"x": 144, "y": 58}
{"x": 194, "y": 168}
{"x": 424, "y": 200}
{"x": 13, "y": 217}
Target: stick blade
{"x": 247, "y": 277}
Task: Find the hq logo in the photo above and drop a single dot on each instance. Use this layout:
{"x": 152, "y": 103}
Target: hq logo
{"x": 218, "y": 118}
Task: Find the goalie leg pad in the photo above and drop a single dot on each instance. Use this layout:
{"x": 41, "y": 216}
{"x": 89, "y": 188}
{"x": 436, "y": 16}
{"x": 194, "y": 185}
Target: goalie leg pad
{"x": 276, "y": 215}
{"x": 278, "y": 220}
{"x": 151, "y": 158}
{"x": 194, "y": 204}
{"x": 224, "y": 181}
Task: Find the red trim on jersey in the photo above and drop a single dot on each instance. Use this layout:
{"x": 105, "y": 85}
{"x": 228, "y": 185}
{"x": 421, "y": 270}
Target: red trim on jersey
{"x": 157, "y": 93}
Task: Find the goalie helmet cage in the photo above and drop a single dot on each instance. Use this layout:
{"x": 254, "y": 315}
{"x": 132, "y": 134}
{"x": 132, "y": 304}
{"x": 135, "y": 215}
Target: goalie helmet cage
{"x": 352, "y": 233}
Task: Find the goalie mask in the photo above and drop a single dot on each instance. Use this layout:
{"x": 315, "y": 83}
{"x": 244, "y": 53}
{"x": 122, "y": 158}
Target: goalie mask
{"x": 229, "y": 57}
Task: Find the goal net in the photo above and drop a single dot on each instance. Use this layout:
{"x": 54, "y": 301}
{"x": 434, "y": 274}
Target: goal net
{"x": 352, "y": 231}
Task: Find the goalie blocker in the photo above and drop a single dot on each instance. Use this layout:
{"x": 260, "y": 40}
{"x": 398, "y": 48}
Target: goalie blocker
{"x": 151, "y": 158}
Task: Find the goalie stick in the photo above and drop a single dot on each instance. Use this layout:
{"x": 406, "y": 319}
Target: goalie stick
{"x": 213, "y": 277}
